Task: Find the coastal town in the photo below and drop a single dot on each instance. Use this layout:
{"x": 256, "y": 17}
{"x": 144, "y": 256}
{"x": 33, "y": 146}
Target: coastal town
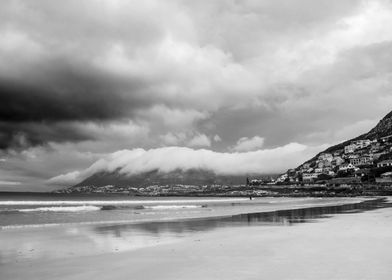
{"x": 361, "y": 166}
{"x": 360, "y": 161}
{"x": 357, "y": 167}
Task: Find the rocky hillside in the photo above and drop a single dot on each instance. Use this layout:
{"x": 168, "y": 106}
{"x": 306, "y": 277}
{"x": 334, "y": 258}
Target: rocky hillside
{"x": 366, "y": 158}
{"x": 382, "y": 129}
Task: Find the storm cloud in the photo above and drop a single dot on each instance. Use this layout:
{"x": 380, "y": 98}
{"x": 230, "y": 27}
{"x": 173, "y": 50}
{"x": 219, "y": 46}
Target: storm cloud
{"x": 100, "y": 76}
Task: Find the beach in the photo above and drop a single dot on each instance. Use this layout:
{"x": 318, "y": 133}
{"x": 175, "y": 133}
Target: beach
{"x": 336, "y": 240}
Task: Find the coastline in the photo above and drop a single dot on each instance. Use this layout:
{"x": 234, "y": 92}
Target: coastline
{"x": 233, "y": 251}
{"x": 275, "y": 190}
{"x": 215, "y": 209}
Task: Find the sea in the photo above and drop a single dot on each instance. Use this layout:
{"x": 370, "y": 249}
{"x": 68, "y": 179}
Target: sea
{"x": 50, "y": 209}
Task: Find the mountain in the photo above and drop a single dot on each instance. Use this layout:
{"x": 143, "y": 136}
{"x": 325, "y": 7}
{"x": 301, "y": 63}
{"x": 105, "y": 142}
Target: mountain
{"x": 374, "y": 150}
{"x": 197, "y": 177}
{"x": 376, "y": 146}
{"x": 382, "y": 129}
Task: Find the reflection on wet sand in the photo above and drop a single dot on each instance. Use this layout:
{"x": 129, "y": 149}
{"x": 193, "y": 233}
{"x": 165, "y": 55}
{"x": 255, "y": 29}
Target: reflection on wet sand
{"x": 82, "y": 240}
{"x": 275, "y": 218}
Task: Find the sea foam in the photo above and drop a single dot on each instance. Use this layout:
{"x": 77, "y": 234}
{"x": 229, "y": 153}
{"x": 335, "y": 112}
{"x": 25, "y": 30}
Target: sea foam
{"x": 113, "y": 202}
{"x": 168, "y": 207}
{"x": 62, "y": 209}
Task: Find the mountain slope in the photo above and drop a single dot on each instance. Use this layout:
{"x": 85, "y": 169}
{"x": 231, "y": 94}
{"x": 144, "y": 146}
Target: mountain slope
{"x": 200, "y": 177}
{"x": 382, "y": 129}
{"x": 197, "y": 177}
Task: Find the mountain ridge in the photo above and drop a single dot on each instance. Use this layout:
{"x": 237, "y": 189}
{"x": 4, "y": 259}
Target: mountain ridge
{"x": 367, "y": 150}
{"x": 155, "y": 177}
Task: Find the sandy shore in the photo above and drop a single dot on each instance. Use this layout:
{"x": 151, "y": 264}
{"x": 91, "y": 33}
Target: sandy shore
{"x": 345, "y": 246}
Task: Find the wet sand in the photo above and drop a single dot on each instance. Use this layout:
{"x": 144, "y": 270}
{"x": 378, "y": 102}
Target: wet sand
{"x": 313, "y": 243}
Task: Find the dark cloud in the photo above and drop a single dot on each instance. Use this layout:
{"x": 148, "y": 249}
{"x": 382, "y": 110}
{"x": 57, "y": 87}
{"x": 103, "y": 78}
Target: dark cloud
{"x": 22, "y": 135}
{"x": 42, "y": 105}
{"x": 66, "y": 94}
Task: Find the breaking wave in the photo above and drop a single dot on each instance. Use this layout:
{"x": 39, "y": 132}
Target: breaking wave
{"x": 112, "y": 202}
{"x": 62, "y": 209}
{"x": 168, "y": 207}
{"x": 101, "y": 207}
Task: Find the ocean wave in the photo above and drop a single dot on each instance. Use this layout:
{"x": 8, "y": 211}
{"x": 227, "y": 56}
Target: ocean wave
{"x": 62, "y": 209}
{"x": 168, "y": 207}
{"x": 31, "y": 226}
{"x": 103, "y": 207}
{"x": 114, "y": 202}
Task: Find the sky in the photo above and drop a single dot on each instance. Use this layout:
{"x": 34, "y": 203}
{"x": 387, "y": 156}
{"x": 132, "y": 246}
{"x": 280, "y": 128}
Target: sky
{"x": 233, "y": 86}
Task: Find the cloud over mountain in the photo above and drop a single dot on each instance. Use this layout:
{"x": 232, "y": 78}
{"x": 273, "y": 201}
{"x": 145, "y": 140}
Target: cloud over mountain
{"x": 167, "y": 159}
{"x": 245, "y": 144}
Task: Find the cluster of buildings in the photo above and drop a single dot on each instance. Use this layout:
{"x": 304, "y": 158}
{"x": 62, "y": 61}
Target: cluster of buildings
{"x": 170, "y": 190}
{"x": 353, "y": 160}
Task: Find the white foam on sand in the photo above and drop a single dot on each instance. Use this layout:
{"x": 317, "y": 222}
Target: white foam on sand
{"x": 62, "y": 209}
{"x": 113, "y": 202}
{"x": 168, "y": 207}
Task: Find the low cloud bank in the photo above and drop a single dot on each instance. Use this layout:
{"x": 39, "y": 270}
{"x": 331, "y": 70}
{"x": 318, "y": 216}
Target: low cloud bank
{"x": 166, "y": 159}
{"x": 246, "y": 144}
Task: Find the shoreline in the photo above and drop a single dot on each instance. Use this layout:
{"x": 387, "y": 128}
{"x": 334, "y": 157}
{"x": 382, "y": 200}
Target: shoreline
{"x": 238, "y": 250}
{"x": 321, "y": 202}
{"x": 276, "y": 192}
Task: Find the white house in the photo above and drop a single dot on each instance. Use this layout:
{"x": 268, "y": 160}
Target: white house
{"x": 346, "y": 166}
{"x": 325, "y": 157}
{"x": 282, "y": 178}
{"x": 362, "y": 143}
{"x": 350, "y": 149}
{"x": 384, "y": 163}
{"x": 385, "y": 178}
{"x": 361, "y": 160}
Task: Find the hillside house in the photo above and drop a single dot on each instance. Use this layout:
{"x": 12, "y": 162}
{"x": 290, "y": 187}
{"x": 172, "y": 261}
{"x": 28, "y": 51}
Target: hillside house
{"x": 282, "y": 178}
{"x": 349, "y": 149}
{"x": 360, "y": 144}
{"x": 325, "y": 157}
{"x": 337, "y": 161}
{"x": 318, "y": 170}
{"x": 353, "y": 156}
{"x": 346, "y": 166}
{"x": 361, "y": 161}
{"x": 375, "y": 147}
{"x": 385, "y": 178}
{"x": 384, "y": 163}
